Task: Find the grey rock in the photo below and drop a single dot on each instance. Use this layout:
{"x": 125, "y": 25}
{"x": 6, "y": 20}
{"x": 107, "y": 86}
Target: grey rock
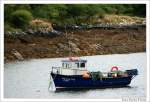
{"x": 62, "y": 46}
{"x": 17, "y": 55}
{"x": 23, "y": 37}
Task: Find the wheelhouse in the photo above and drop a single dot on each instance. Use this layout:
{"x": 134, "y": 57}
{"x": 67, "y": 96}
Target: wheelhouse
{"x": 72, "y": 66}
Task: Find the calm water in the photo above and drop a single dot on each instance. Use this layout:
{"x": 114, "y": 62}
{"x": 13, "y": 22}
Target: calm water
{"x": 30, "y": 79}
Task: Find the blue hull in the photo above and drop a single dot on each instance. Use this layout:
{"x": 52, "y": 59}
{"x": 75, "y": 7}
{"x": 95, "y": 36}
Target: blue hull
{"x": 77, "y": 81}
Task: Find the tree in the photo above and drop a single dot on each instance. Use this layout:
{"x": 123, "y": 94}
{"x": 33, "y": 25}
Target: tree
{"x": 18, "y": 15}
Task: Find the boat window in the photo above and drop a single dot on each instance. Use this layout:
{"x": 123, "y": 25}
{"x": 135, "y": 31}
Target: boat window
{"x": 77, "y": 65}
{"x": 63, "y": 65}
{"x": 69, "y": 65}
{"x": 82, "y": 65}
{"x": 66, "y": 65}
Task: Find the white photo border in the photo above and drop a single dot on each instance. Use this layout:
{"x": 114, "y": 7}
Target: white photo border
{"x": 147, "y": 2}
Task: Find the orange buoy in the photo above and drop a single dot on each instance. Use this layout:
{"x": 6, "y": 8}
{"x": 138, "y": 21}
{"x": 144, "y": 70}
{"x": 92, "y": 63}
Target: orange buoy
{"x": 85, "y": 75}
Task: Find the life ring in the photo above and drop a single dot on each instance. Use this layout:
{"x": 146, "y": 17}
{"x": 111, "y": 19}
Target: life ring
{"x": 114, "y": 68}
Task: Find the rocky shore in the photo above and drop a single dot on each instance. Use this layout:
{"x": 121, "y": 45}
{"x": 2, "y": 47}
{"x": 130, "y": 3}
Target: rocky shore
{"x": 79, "y": 42}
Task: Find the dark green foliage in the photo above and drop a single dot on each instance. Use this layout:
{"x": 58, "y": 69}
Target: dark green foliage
{"x": 10, "y": 8}
{"x": 7, "y": 28}
{"x": 21, "y": 18}
{"x": 61, "y": 14}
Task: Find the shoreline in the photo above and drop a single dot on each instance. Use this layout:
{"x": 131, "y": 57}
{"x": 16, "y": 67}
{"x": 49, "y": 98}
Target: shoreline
{"x": 77, "y": 43}
{"x": 28, "y": 59}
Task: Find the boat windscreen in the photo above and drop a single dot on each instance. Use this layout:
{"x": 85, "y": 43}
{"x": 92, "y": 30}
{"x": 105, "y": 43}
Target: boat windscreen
{"x": 82, "y": 65}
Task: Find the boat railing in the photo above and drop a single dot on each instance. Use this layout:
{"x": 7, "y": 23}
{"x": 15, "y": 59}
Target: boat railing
{"x": 109, "y": 74}
{"x": 55, "y": 69}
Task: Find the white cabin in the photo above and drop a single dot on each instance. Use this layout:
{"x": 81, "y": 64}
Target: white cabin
{"x": 72, "y": 67}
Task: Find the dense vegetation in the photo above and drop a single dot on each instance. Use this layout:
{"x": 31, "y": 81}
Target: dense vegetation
{"x": 18, "y": 16}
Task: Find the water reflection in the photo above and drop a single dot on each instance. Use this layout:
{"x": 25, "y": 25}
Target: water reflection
{"x": 88, "y": 89}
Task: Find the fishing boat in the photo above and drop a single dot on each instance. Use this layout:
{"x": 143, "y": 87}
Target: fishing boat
{"x": 74, "y": 74}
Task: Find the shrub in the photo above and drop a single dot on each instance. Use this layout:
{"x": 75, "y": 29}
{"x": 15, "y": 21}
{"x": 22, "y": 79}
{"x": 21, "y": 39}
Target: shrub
{"x": 40, "y": 25}
{"x": 8, "y": 28}
{"x": 11, "y": 32}
{"x": 21, "y": 18}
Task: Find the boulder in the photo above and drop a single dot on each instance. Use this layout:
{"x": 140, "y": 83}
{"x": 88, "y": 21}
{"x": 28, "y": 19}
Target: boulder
{"x": 17, "y": 55}
{"x": 24, "y": 38}
{"x": 30, "y": 31}
{"x": 62, "y": 46}
{"x": 76, "y": 50}
{"x": 74, "y": 47}
{"x": 70, "y": 46}
{"x": 96, "y": 46}
{"x": 33, "y": 44}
